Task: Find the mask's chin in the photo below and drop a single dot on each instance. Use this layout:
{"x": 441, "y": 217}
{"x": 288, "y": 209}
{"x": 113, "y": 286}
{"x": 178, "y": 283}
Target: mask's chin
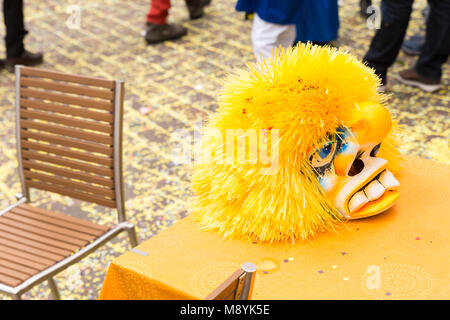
{"x": 368, "y": 193}
{"x": 371, "y": 208}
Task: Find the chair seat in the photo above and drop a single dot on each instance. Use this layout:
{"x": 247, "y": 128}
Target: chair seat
{"x": 33, "y": 239}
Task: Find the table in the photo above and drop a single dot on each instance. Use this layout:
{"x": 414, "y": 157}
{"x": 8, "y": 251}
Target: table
{"x": 402, "y": 253}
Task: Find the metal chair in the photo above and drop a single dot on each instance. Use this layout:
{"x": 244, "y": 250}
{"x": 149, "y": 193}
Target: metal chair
{"x": 69, "y": 141}
{"x": 238, "y": 286}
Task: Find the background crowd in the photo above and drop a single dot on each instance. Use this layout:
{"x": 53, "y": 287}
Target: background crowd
{"x": 285, "y": 23}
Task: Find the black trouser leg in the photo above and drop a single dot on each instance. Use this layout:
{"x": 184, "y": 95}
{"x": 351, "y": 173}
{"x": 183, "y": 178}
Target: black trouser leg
{"x": 15, "y": 28}
{"x": 389, "y": 38}
{"x": 437, "y": 41}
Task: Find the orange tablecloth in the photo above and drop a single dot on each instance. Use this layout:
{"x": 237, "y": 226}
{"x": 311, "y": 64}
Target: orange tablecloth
{"x": 400, "y": 254}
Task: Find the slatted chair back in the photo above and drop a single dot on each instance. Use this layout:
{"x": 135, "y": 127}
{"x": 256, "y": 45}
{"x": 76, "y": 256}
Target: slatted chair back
{"x": 238, "y": 286}
{"x": 69, "y": 135}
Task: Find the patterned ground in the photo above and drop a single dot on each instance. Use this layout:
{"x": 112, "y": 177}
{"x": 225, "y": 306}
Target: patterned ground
{"x": 173, "y": 86}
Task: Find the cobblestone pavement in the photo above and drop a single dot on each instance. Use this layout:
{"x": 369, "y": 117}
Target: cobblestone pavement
{"x": 173, "y": 86}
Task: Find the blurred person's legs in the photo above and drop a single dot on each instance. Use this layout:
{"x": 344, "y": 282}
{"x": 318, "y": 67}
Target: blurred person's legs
{"x": 427, "y": 72}
{"x": 196, "y": 8}
{"x": 388, "y": 39}
{"x": 15, "y": 34}
{"x": 266, "y": 36}
{"x": 158, "y": 11}
{"x": 159, "y": 30}
{"x": 363, "y": 5}
{"x": 415, "y": 44}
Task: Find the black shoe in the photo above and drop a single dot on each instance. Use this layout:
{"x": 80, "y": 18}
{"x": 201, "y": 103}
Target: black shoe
{"x": 196, "y": 7}
{"x": 414, "y": 45}
{"x": 363, "y": 5}
{"x": 27, "y": 58}
{"x": 162, "y": 32}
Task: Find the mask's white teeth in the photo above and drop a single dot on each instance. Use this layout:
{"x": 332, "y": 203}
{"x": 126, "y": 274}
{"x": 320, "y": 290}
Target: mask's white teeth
{"x": 374, "y": 190}
{"x": 358, "y": 200}
{"x": 388, "y": 180}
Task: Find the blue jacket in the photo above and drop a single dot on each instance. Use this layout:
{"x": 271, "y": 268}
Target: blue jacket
{"x": 316, "y": 20}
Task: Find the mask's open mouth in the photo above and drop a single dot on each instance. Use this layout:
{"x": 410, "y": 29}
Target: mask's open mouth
{"x": 376, "y": 195}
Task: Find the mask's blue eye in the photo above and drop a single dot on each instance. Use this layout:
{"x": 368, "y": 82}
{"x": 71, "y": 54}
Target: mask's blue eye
{"x": 326, "y": 150}
{"x": 324, "y": 155}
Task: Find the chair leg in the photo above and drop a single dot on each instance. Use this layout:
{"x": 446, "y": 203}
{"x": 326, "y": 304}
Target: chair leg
{"x": 132, "y": 236}
{"x": 53, "y": 289}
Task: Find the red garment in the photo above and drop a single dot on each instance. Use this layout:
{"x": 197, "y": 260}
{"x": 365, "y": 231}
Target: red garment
{"x": 158, "y": 12}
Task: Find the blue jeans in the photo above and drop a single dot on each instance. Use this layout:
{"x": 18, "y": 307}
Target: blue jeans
{"x": 389, "y": 38}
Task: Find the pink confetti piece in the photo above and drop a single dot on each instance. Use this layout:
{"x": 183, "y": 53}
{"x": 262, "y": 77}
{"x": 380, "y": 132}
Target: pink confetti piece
{"x": 145, "y": 110}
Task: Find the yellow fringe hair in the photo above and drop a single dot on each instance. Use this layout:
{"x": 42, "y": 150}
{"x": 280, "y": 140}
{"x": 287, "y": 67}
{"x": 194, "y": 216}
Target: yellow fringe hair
{"x": 305, "y": 92}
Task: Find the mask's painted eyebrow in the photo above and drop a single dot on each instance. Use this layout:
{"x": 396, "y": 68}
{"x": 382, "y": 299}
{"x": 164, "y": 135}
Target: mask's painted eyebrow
{"x": 375, "y": 150}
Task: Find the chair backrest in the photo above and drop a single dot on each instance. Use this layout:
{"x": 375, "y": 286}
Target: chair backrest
{"x": 69, "y": 135}
{"x": 238, "y": 286}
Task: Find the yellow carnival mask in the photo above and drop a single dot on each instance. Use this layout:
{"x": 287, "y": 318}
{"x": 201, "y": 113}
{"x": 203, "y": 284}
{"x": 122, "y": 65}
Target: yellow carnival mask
{"x": 332, "y": 148}
{"x": 355, "y": 179}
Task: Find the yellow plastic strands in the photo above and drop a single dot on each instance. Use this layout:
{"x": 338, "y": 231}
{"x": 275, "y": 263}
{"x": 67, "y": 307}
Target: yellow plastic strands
{"x": 305, "y": 93}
